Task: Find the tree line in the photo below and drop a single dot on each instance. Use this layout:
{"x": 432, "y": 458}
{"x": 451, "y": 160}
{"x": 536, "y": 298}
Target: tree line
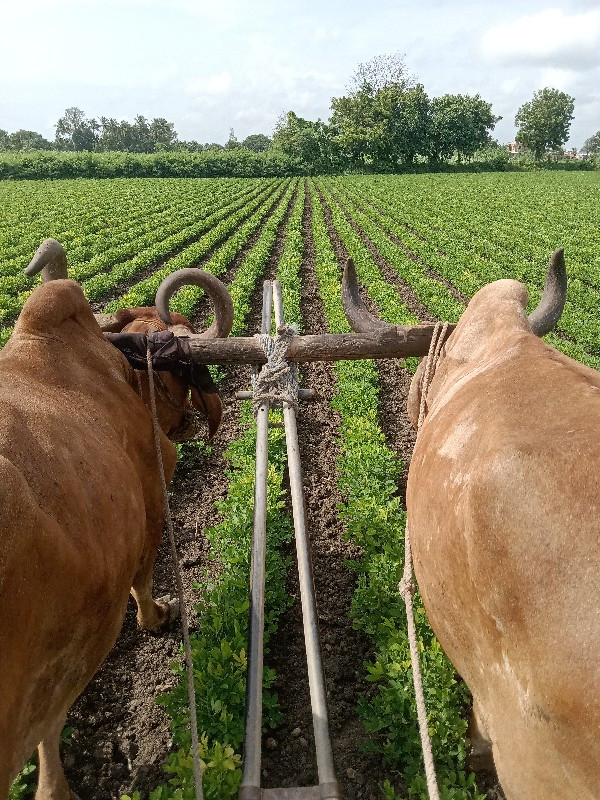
{"x": 386, "y": 122}
{"x": 76, "y": 133}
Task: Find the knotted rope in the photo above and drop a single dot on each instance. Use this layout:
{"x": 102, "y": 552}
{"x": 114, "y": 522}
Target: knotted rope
{"x": 277, "y": 381}
{"x": 184, "y": 617}
{"x": 406, "y": 587}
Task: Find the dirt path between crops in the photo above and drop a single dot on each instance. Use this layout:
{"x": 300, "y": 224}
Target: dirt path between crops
{"x": 289, "y": 751}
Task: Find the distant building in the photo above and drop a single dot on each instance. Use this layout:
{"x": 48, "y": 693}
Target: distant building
{"x": 515, "y": 148}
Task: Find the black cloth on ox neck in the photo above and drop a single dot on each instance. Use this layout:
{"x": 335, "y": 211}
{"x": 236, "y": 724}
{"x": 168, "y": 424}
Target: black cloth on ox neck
{"x": 170, "y": 353}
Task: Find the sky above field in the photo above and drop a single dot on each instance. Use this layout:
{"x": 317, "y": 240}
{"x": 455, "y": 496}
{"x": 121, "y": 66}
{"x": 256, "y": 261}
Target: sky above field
{"x": 212, "y": 65}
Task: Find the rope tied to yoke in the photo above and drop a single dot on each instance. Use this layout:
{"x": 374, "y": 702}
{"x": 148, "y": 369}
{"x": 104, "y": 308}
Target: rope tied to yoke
{"x": 406, "y": 587}
{"x": 277, "y": 381}
{"x": 182, "y": 609}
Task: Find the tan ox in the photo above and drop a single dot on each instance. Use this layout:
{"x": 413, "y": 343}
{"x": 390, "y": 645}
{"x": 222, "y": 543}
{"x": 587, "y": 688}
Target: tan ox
{"x": 81, "y": 513}
{"x": 502, "y": 501}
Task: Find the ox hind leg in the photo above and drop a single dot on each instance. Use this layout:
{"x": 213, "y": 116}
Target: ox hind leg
{"x": 152, "y": 614}
{"x": 52, "y": 784}
{"x": 480, "y": 758}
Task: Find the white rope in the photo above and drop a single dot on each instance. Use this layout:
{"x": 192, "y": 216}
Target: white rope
{"x": 277, "y": 381}
{"x": 406, "y": 587}
{"x": 184, "y": 617}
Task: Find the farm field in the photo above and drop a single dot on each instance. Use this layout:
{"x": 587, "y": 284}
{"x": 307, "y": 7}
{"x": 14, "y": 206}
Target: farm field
{"x": 422, "y": 246}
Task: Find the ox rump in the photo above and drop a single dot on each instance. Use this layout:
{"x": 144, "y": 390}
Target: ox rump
{"x": 81, "y": 514}
{"x": 502, "y": 503}
{"x": 502, "y": 506}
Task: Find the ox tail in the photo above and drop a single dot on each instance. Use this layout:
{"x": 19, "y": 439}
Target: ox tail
{"x": 52, "y": 304}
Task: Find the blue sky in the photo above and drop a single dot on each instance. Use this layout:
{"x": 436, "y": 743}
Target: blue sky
{"x": 209, "y": 65}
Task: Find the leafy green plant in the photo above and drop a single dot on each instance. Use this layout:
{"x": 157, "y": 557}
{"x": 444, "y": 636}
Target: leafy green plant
{"x": 23, "y": 785}
{"x": 374, "y": 520}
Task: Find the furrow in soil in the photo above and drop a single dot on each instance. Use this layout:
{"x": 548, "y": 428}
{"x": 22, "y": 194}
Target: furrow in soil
{"x": 431, "y": 273}
{"x": 394, "y": 379}
{"x": 289, "y": 755}
{"x": 122, "y": 288}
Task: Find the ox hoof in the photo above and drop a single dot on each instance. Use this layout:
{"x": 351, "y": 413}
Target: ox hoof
{"x": 171, "y": 605}
{"x": 158, "y": 614}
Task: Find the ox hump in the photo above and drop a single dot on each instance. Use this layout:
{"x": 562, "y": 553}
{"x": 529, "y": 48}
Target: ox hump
{"x": 53, "y": 303}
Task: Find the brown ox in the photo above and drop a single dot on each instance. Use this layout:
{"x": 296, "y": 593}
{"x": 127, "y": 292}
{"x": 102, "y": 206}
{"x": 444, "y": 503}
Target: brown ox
{"x": 502, "y": 504}
{"x": 81, "y": 513}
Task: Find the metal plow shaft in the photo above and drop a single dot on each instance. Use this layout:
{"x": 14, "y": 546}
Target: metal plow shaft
{"x": 328, "y": 788}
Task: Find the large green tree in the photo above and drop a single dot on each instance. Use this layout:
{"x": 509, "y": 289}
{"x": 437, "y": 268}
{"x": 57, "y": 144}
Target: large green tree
{"x": 382, "y": 121}
{"x": 163, "y": 135}
{"x": 459, "y": 124}
{"x": 543, "y": 123}
{"x": 309, "y": 145}
{"x": 116, "y": 135}
{"x": 382, "y": 128}
{"x": 592, "y": 145}
{"x": 23, "y": 140}
{"x": 75, "y": 132}
{"x": 257, "y": 142}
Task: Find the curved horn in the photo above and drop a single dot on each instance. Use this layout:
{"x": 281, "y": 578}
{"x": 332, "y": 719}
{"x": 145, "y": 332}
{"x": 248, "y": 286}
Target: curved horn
{"x": 51, "y": 259}
{"x": 543, "y": 318}
{"x": 214, "y": 288}
{"x": 361, "y": 320}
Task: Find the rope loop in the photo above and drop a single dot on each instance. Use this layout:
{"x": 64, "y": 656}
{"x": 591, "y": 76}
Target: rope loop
{"x": 407, "y": 588}
{"x": 277, "y": 381}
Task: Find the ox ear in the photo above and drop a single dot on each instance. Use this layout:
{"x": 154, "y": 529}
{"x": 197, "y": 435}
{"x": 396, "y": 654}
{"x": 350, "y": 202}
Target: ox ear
{"x": 210, "y": 406}
{"x": 205, "y": 397}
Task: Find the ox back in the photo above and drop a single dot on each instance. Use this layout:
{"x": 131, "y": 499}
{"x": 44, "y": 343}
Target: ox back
{"x": 502, "y": 502}
{"x": 81, "y": 512}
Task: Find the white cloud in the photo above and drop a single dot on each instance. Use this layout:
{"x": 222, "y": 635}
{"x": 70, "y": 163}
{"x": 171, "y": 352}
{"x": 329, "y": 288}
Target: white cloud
{"x": 210, "y": 85}
{"x": 550, "y": 38}
{"x": 322, "y": 33}
{"x": 509, "y": 85}
{"x": 561, "y": 79}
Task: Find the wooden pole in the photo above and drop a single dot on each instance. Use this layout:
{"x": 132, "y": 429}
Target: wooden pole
{"x": 398, "y": 342}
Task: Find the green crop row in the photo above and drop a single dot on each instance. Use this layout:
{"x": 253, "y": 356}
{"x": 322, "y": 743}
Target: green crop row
{"x": 461, "y": 244}
{"x": 431, "y": 293}
{"x": 219, "y": 650}
{"x": 374, "y": 520}
{"x": 143, "y": 292}
{"x": 153, "y": 238}
{"x": 224, "y": 221}
{"x": 95, "y": 214}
